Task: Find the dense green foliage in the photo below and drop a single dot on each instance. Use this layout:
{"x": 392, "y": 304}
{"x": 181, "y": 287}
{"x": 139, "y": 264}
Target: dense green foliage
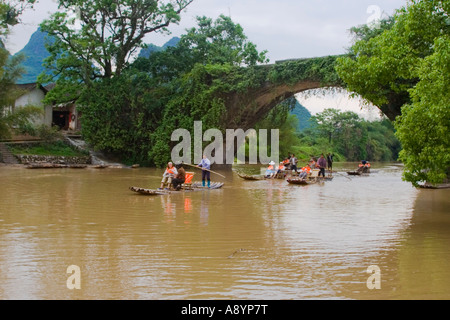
{"x": 424, "y": 125}
{"x": 135, "y": 113}
{"x": 100, "y": 40}
{"x": 344, "y": 134}
{"x": 402, "y": 69}
{"x": 10, "y": 72}
{"x": 58, "y": 148}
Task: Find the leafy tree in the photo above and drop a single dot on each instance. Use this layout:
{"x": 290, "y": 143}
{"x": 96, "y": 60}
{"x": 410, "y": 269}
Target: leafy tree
{"x": 400, "y": 70}
{"x": 350, "y": 137}
{"x": 212, "y": 42}
{"x": 120, "y": 114}
{"x": 10, "y": 11}
{"x": 142, "y": 106}
{"x": 332, "y": 123}
{"x": 423, "y": 127}
{"x": 10, "y": 70}
{"x": 382, "y": 63}
{"x": 108, "y": 34}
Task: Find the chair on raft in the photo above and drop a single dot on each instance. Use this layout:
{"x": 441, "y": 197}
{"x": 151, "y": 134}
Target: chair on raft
{"x": 314, "y": 174}
{"x": 187, "y": 185}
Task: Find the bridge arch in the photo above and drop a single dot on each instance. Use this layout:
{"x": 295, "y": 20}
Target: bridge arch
{"x": 276, "y": 83}
{"x": 280, "y": 81}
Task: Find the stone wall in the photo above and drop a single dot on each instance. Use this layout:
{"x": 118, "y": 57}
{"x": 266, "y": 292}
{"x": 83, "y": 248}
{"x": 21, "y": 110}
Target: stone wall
{"x": 30, "y": 159}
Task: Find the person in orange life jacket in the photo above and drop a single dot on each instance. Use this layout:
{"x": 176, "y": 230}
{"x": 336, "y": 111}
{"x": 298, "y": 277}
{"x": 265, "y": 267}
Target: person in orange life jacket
{"x": 362, "y": 165}
{"x": 286, "y": 163}
{"x": 321, "y": 164}
{"x": 304, "y": 172}
{"x": 206, "y": 175}
{"x": 168, "y": 175}
{"x": 271, "y": 169}
{"x": 281, "y": 168}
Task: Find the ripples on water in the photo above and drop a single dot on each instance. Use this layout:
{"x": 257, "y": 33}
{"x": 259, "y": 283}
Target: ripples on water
{"x": 249, "y": 240}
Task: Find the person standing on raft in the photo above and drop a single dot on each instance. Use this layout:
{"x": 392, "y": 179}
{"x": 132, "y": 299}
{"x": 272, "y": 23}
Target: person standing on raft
{"x": 206, "y": 175}
{"x": 322, "y": 164}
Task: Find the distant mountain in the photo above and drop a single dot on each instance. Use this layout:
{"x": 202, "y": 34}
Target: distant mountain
{"x": 35, "y": 53}
{"x": 146, "y": 52}
{"x": 303, "y": 116}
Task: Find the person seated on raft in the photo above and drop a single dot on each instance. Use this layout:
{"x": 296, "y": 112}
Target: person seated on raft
{"x": 270, "y": 172}
{"x": 362, "y": 166}
{"x": 312, "y": 163}
{"x": 281, "y": 169}
{"x": 168, "y": 175}
{"x": 180, "y": 177}
{"x": 304, "y": 172}
{"x": 286, "y": 163}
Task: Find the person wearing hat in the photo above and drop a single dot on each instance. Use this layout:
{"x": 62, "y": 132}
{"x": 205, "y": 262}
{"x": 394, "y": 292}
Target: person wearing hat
{"x": 168, "y": 175}
{"x": 270, "y": 172}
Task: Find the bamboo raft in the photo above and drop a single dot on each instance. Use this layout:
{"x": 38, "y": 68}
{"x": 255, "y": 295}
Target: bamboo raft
{"x": 260, "y": 177}
{"x": 302, "y": 182}
{"x": 359, "y": 172}
{"x": 308, "y": 181}
{"x": 197, "y": 186}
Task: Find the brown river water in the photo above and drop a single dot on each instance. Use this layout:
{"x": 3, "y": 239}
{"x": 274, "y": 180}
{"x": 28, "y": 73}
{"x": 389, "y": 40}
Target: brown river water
{"x": 248, "y": 240}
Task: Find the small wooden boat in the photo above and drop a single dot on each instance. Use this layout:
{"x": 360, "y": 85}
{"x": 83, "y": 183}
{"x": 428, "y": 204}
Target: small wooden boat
{"x": 197, "y": 186}
{"x": 261, "y": 177}
{"x": 428, "y": 185}
{"x": 359, "y": 172}
{"x": 300, "y": 181}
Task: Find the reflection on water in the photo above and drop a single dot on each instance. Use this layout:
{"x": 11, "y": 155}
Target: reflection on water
{"x": 249, "y": 240}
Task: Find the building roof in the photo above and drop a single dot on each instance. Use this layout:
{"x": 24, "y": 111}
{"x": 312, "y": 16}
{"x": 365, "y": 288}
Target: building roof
{"x": 31, "y": 86}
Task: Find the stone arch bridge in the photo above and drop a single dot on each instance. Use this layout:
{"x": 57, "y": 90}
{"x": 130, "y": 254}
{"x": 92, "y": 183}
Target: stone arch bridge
{"x": 272, "y": 84}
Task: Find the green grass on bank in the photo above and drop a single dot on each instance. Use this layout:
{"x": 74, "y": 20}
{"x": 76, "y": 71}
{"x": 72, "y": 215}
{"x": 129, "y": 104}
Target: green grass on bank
{"x": 58, "y": 148}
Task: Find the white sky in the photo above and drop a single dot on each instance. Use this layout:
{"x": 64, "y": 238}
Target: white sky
{"x": 286, "y": 28}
